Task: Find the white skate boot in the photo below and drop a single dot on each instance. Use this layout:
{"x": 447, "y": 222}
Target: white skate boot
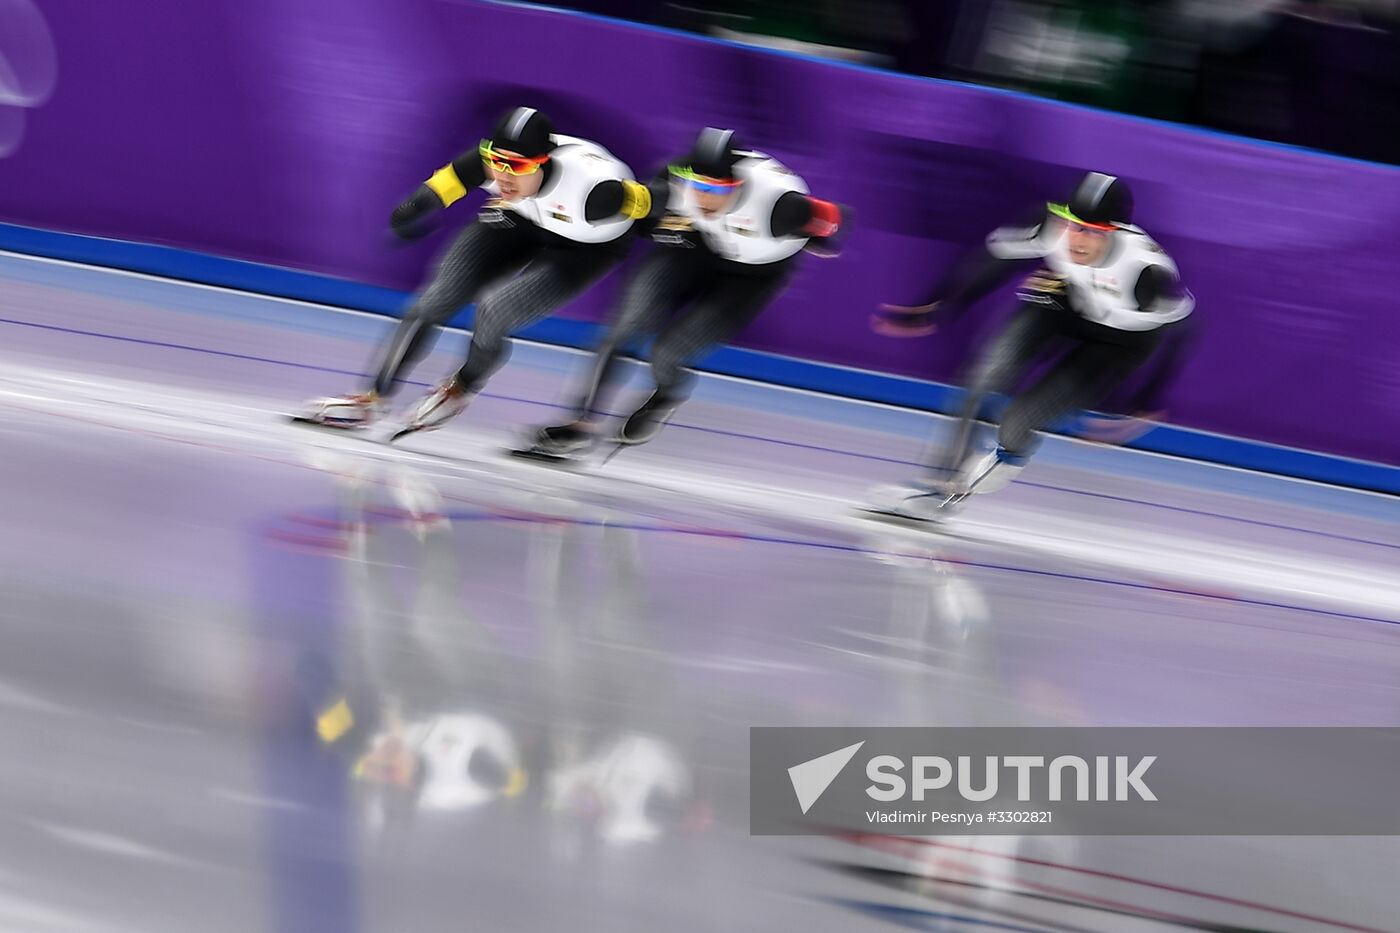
{"x": 348, "y": 412}
{"x": 938, "y": 500}
{"x": 437, "y": 408}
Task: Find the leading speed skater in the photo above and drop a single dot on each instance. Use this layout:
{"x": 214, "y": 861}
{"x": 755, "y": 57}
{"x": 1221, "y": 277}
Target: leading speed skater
{"x": 1102, "y": 299}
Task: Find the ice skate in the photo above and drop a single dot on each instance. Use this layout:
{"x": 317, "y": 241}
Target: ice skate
{"x": 938, "y": 500}
{"x": 930, "y": 501}
{"x": 347, "y": 412}
{"x": 437, "y": 408}
{"x": 989, "y": 472}
{"x": 561, "y": 443}
{"x": 648, "y": 420}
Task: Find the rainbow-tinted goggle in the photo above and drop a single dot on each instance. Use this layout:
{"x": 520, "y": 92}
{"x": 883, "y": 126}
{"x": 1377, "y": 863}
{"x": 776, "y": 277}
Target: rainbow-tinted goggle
{"x": 1064, "y": 213}
{"x": 703, "y": 182}
{"x": 510, "y": 164}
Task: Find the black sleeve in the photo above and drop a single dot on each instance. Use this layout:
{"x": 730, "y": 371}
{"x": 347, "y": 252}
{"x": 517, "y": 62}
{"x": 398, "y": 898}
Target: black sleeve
{"x": 608, "y": 197}
{"x": 973, "y": 278}
{"x": 1155, "y": 284}
{"x": 604, "y": 201}
{"x": 791, "y": 215}
{"x": 422, "y": 203}
{"x": 660, "y": 188}
{"x": 470, "y": 170}
{"x": 978, "y": 273}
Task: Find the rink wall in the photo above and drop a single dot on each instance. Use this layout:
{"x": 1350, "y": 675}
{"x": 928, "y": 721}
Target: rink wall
{"x": 279, "y": 133}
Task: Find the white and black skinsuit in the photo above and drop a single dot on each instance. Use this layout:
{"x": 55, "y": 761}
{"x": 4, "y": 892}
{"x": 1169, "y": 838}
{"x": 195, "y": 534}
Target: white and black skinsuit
{"x": 1098, "y": 322}
{"x": 519, "y": 261}
{"x": 710, "y": 275}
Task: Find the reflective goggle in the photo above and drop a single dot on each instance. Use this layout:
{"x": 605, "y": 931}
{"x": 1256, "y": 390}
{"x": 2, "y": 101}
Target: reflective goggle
{"x": 1064, "y": 213}
{"x": 703, "y": 182}
{"x": 510, "y": 164}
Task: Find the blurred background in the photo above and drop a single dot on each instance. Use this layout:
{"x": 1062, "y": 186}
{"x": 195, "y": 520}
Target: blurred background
{"x": 1318, "y": 73}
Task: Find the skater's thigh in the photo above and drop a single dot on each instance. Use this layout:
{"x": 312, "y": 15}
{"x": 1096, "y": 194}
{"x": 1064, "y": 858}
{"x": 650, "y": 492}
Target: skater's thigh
{"x": 667, "y": 279}
{"x": 547, "y": 283}
{"x": 1085, "y": 375}
{"x": 722, "y": 312}
{"x": 482, "y": 254}
{"x": 1030, "y": 335}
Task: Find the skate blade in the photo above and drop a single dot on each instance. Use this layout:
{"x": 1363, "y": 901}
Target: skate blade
{"x": 903, "y": 519}
{"x": 328, "y": 425}
{"x": 928, "y": 508}
{"x": 405, "y": 432}
{"x": 540, "y": 456}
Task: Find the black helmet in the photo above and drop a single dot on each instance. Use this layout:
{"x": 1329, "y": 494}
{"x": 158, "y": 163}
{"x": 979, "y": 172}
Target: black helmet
{"x": 1099, "y": 201}
{"x": 524, "y": 130}
{"x": 715, "y": 153}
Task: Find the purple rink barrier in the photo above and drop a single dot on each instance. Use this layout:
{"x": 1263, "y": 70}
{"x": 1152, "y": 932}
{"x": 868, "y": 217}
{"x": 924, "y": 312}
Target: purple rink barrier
{"x": 272, "y": 131}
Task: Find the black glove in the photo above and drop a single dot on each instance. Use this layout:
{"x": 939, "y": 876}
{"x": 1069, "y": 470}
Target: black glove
{"x": 408, "y": 221}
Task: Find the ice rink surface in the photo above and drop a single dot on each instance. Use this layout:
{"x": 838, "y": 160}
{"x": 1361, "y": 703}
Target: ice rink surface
{"x": 263, "y": 677}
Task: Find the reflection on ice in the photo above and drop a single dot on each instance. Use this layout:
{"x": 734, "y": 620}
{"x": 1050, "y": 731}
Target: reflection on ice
{"x": 440, "y": 709}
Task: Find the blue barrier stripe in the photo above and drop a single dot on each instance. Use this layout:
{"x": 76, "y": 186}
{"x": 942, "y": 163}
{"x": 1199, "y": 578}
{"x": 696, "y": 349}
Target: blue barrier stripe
{"x": 920, "y": 395}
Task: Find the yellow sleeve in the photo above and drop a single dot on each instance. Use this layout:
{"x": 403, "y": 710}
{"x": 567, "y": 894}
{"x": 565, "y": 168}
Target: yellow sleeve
{"x": 447, "y": 186}
{"x": 636, "y": 200}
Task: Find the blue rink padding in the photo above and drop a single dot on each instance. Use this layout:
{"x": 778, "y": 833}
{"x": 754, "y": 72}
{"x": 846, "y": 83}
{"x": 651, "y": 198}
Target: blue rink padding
{"x": 191, "y": 266}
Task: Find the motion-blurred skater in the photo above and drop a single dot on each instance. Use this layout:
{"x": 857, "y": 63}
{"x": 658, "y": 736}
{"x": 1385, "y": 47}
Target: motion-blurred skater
{"x": 1104, "y": 299}
{"x": 726, "y": 246}
{"x": 555, "y": 224}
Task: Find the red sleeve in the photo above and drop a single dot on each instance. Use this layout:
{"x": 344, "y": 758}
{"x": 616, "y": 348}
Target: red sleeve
{"x": 825, "y": 220}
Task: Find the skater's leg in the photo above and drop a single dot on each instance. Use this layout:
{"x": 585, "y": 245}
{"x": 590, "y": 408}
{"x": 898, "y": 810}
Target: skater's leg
{"x": 718, "y": 316}
{"x": 665, "y": 282}
{"x": 1086, "y": 375}
{"x": 1029, "y": 335}
{"x": 482, "y": 254}
{"x": 668, "y": 279}
{"x": 549, "y": 282}
{"x": 551, "y": 279}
